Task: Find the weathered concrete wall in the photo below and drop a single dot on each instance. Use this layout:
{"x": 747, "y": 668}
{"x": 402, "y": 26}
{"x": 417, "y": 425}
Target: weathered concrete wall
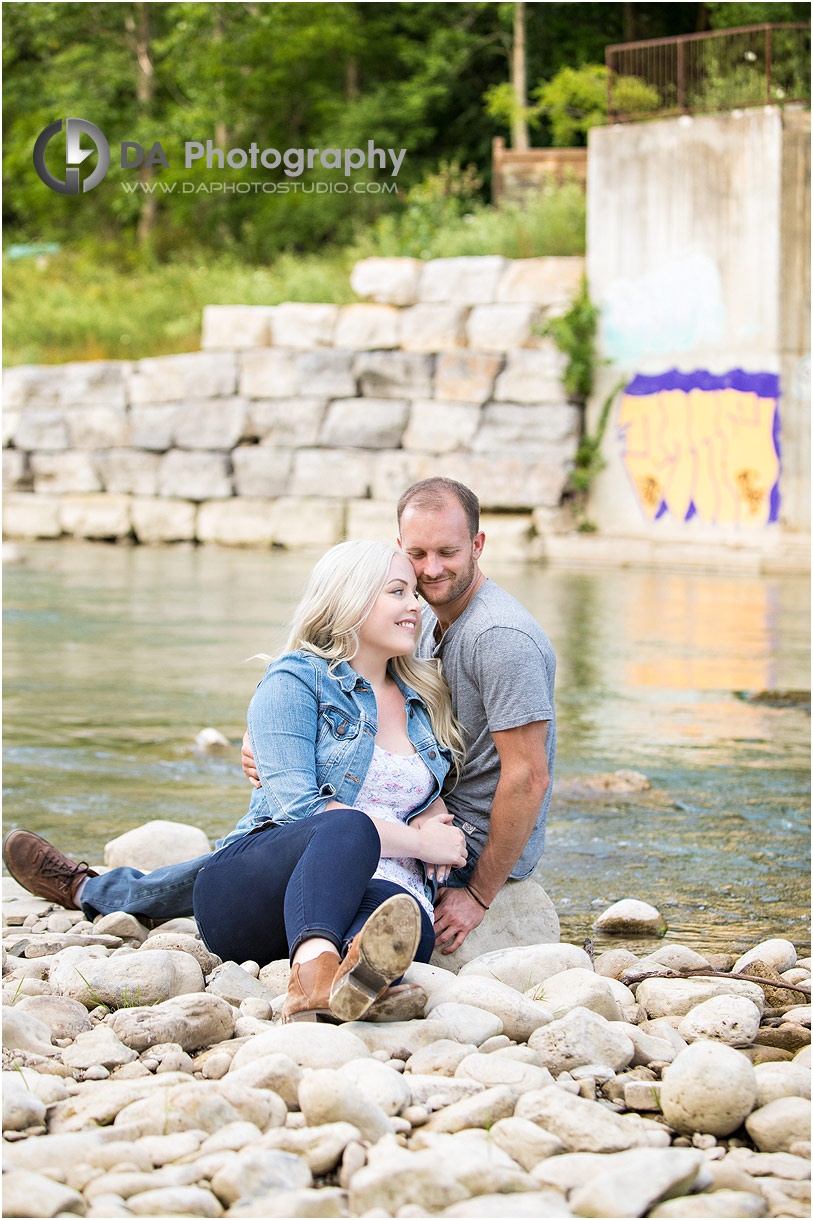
{"x": 699, "y": 256}
{"x": 300, "y": 424}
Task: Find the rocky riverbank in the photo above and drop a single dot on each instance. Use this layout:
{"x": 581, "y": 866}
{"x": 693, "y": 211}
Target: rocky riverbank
{"x": 143, "y": 1076}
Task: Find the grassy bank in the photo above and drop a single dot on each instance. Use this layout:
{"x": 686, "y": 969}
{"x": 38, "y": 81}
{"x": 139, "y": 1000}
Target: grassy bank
{"x": 93, "y": 303}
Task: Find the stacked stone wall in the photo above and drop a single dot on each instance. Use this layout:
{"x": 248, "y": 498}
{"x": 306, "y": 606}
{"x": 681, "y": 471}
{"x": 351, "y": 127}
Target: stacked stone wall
{"x": 301, "y": 424}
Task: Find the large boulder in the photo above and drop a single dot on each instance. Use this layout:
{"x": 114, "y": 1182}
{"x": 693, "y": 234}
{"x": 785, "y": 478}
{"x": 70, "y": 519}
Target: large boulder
{"x": 521, "y": 914}
{"x": 155, "y": 844}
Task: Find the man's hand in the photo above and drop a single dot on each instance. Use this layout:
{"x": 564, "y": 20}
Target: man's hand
{"x": 456, "y": 914}
{"x": 247, "y": 759}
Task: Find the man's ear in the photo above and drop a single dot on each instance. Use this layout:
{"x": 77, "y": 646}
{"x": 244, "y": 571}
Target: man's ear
{"x": 478, "y": 542}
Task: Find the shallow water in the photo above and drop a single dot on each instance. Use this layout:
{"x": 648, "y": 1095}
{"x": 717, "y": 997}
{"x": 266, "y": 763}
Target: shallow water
{"x": 115, "y": 657}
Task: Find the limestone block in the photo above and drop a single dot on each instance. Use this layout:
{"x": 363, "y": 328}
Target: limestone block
{"x": 337, "y": 473}
{"x": 261, "y": 470}
{"x": 371, "y": 519}
{"x": 31, "y": 385}
{"x": 229, "y": 326}
{"x": 366, "y": 327}
{"x": 465, "y": 377}
{"x": 441, "y": 427}
{"x": 97, "y": 427}
{"x": 297, "y": 324}
{"x": 129, "y": 470}
{"x": 391, "y": 281}
{"x": 471, "y": 280}
{"x": 163, "y": 520}
{"x": 94, "y": 383}
{"x": 41, "y": 429}
{"x": 532, "y": 376}
{"x": 432, "y": 328}
{"x": 194, "y": 476}
{"x": 288, "y": 422}
{"x": 267, "y": 373}
{"x": 15, "y": 473}
{"x": 395, "y": 470}
{"x": 309, "y": 522}
{"x": 394, "y": 374}
{"x": 366, "y": 423}
{"x": 508, "y": 536}
{"x": 540, "y": 281}
{"x": 9, "y": 420}
{"x": 498, "y": 328}
{"x": 521, "y": 914}
{"x": 327, "y": 373}
{"x": 213, "y": 423}
{"x": 509, "y": 482}
{"x": 28, "y": 516}
{"x": 512, "y": 429}
{"x": 176, "y": 378}
{"x": 153, "y": 427}
{"x": 99, "y": 516}
{"x": 64, "y": 472}
{"x": 235, "y": 522}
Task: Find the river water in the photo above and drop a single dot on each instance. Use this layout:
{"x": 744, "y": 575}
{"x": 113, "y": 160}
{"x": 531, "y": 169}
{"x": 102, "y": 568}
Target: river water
{"x": 116, "y": 657}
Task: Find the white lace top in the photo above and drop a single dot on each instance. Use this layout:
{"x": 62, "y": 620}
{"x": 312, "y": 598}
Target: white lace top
{"x": 394, "y": 785}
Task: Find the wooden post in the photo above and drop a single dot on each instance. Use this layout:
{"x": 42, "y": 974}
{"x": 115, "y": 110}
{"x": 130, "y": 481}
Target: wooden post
{"x": 519, "y": 124}
{"x": 497, "y": 150}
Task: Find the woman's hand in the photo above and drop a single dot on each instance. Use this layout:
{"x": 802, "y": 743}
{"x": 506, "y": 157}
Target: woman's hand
{"x": 441, "y": 843}
{"x": 249, "y": 765}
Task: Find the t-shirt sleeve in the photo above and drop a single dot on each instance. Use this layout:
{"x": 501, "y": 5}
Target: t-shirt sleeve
{"x": 514, "y": 678}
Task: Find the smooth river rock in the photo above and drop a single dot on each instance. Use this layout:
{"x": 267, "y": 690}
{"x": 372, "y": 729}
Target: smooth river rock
{"x": 142, "y": 977}
{"x": 520, "y": 1017}
{"x": 580, "y": 988}
{"x": 308, "y": 1045}
{"x": 731, "y": 1019}
{"x": 777, "y": 952}
{"x": 193, "y": 1021}
{"x": 155, "y": 844}
{"x": 582, "y": 1125}
{"x": 775, "y": 1080}
{"x": 65, "y": 1018}
{"x": 527, "y": 966}
{"x": 630, "y": 917}
{"x": 579, "y": 1038}
{"x": 327, "y": 1096}
{"x": 520, "y": 909}
{"x": 708, "y": 1088}
{"x": 632, "y": 1182}
{"x": 662, "y": 997}
{"x": 781, "y": 1124}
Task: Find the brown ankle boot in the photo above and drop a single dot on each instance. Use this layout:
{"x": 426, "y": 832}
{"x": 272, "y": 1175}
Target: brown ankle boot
{"x": 42, "y": 869}
{"x": 308, "y": 996}
{"x": 378, "y": 954}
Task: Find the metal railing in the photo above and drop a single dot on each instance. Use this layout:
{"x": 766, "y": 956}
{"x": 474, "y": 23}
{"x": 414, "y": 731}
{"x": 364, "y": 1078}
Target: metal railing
{"x": 752, "y": 65}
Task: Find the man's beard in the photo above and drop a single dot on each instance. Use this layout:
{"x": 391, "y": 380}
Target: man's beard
{"x": 446, "y": 591}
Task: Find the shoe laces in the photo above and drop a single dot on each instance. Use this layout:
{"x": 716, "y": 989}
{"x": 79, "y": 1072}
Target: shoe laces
{"x": 66, "y": 875}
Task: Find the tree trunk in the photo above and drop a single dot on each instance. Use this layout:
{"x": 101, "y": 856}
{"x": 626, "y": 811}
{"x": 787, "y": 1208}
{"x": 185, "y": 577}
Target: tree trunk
{"x": 629, "y": 22}
{"x": 137, "y": 26}
{"x": 519, "y": 124}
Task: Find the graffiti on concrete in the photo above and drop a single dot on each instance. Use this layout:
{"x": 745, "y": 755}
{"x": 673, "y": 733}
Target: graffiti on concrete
{"x": 697, "y": 445}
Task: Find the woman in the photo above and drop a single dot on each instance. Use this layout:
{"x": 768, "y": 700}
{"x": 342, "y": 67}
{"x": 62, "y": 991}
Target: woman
{"x": 338, "y": 859}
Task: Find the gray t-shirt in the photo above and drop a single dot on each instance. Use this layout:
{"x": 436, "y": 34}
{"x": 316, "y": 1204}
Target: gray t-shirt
{"x": 500, "y": 667}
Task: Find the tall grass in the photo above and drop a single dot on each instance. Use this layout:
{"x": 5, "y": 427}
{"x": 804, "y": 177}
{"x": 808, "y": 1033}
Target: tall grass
{"x": 94, "y": 303}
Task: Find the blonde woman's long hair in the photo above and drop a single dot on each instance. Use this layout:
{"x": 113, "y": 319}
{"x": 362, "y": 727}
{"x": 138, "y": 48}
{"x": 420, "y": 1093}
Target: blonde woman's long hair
{"x": 338, "y": 596}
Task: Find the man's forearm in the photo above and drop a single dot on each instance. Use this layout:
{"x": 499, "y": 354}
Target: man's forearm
{"x": 513, "y": 816}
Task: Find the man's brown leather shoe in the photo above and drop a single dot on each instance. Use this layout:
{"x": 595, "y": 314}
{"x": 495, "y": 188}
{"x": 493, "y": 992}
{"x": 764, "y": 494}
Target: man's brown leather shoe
{"x": 378, "y": 954}
{"x": 42, "y": 869}
{"x": 309, "y": 983}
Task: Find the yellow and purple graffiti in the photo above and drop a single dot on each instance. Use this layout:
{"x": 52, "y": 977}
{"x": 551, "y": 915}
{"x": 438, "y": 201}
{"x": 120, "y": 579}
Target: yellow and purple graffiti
{"x": 699, "y": 445}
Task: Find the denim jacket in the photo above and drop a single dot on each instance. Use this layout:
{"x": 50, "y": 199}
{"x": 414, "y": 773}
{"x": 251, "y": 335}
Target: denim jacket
{"x": 312, "y": 735}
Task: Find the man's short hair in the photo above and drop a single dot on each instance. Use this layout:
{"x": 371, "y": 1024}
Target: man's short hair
{"x": 436, "y": 493}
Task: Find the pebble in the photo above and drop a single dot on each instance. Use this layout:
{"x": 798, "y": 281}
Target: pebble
{"x": 197, "y": 1109}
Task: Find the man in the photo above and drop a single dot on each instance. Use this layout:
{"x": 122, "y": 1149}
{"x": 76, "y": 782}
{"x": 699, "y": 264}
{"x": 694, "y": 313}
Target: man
{"x": 500, "y": 667}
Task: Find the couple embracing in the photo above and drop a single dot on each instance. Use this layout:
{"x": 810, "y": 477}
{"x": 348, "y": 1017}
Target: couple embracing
{"x": 350, "y": 860}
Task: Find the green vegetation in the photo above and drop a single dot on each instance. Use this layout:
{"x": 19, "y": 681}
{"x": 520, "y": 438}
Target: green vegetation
{"x": 103, "y": 303}
{"x": 140, "y": 256}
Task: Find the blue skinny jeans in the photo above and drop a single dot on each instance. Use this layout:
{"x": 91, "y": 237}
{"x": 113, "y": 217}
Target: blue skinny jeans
{"x": 259, "y": 897}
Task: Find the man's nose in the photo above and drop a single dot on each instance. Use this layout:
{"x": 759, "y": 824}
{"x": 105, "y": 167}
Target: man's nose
{"x": 432, "y": 566}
